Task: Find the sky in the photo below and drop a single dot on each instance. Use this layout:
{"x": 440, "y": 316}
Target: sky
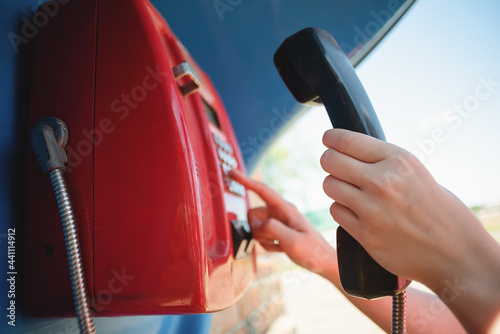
{"x": 434, "y": 82}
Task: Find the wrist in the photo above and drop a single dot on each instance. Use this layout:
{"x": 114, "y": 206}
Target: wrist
{"x": 469, "y": 287}
{"x": 330, "y": 269}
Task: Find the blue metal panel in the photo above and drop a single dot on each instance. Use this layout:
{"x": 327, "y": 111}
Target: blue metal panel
{"x": 234, "y": 42}
{"x": 14, "y": 95}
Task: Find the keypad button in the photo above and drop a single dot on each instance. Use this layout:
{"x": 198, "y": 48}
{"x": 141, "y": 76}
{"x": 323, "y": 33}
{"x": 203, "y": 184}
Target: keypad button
{"x": 237, "y": 188}
{"x": 228, "y": 162}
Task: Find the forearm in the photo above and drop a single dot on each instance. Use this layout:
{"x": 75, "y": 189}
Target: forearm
{"x": 389, "y": 202}
{"x": 426, "y": 313}
{"x": 471, "y": 287}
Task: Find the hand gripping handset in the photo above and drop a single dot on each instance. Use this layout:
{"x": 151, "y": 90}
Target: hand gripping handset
{"x": 316, "y": 71}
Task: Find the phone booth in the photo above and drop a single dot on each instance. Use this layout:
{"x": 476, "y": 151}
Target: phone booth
{"x": 159, "y": 100}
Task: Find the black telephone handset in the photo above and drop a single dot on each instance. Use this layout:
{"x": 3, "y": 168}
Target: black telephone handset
{"x": 316, "y": 71}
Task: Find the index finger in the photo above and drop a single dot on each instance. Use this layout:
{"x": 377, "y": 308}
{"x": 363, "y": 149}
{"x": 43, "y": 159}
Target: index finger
{"x": 268, "y": 195}
{"x": 358, "y": 145}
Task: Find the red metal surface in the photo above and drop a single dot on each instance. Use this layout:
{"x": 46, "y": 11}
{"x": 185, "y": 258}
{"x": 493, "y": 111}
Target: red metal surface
{"x": 66, "y": 91}
{"x": 148, "y": 187}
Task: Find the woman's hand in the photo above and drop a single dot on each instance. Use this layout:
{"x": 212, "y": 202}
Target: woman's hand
{"x": 388, "y": 201}
{"x": 281, "y": 227}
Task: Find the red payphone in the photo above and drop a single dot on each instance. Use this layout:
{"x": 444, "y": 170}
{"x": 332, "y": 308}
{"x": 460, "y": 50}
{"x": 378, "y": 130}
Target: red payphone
{"x": 162, "y": 227}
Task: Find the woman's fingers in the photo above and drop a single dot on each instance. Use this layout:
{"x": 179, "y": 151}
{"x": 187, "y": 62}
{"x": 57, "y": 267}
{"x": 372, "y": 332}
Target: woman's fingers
{"x": 261, "y": 234}
{"x": 357, "y": 145}
{"x": 277, "y": 206}
{"x": 343, "y": 167}
{"x": 273, "y": 229}
{"x": 271, "y": 197}
{"x": 346, "y": 218}
{"x": 259, "y": 213}
{"x": 265, "y": 240}
{"x": 272, "y": 248}
{"x": 342, "y": 192}
{"x": 280, "y": 227}
{"x": 260, "y": 228}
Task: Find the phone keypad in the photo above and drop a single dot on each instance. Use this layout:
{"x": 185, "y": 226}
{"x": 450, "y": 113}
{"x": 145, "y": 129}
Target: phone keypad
{"x": 228, "y": 162}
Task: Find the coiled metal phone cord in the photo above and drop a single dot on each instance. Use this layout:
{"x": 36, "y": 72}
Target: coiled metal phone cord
{"x": 48, "y": 139}
{"x": 399, "y": 313}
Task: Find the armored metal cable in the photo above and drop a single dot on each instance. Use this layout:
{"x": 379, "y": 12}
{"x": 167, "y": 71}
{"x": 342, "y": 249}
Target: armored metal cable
{"x": 85, "y": 321}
